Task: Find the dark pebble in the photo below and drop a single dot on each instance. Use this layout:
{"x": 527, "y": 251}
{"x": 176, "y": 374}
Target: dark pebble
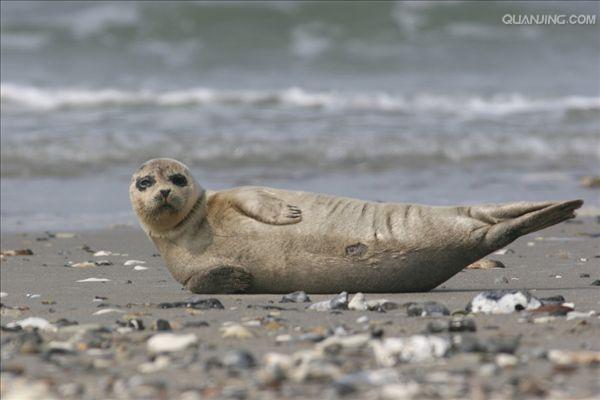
{"x": 195, "y": 324}
{"x": 472, "y": 344}
{"x": 135, "y": 323}
{"x": 558, "y": 299}
{"x": 584, "y": 275}
{"x": 596, "y": 282}
{"x": 239, "y": 359}
{"x": 196, "y": 303}
{"x": 65, "y": 322}
{"x": 340, "y": 302}
{"x": 265, "y": 307}
{"x": 161, "y": 325}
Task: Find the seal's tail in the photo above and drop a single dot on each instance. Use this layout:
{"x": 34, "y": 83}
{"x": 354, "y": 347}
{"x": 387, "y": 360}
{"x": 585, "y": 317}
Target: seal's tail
{"x": 509, "y": 221}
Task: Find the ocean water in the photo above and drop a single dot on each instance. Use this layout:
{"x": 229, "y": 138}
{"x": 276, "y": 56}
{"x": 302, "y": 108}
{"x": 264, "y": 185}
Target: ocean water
{"x": 429, "y": 102}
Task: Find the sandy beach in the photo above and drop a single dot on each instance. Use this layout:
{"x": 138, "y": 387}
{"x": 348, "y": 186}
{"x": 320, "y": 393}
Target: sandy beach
{"x": 96, "y": 342}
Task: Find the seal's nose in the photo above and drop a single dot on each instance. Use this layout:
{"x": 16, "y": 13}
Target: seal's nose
{"x": 165, "y": 192}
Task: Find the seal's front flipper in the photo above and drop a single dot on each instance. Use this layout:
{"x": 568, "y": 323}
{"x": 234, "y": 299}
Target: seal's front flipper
{"x": 522, "y": 218}
{"x": 265, "y": 207}
{"x": 224, "y": 279}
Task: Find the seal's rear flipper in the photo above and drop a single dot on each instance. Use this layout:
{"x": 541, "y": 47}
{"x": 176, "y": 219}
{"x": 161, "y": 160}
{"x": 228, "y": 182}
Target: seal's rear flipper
{"x": 519, "y": 219}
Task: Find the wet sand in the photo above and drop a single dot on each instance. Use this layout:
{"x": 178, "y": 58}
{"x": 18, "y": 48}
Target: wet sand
{"x": 104, "y": 361}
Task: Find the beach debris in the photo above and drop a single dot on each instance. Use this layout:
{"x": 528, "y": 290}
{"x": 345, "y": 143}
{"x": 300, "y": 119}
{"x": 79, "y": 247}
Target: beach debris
{"x": 84, "y": 264}
{"x": 195, "y": 302}
{"x": 584, "y": 275}
{"x": 20, "y": 252}
{"x": 565, "y": 357}
{"x": 238, "y": 360}
{"x": 139, "y": 268}
{"x": 426, "y": 309}
{"x": 94, "y": 280}
{"x": 103, "y": 253}
{"x": 503, "y": 302}
{"x": 339, "y": 302}
{"x": 33, "y": 323}
{"x": 418, "y": 348}
{"x": 295, "y": 297}
{"x": 3, "y": 294}
{"x": 32, "y": 295}
{"x": 161, "y": 325}
{"x": 129, "y": 263}
{"x": 236, "y": 331}
{"x": 486, "y": 264}
{"x": 170, "y": 342}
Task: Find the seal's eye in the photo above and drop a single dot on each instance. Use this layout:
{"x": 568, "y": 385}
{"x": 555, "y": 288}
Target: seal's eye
{"x": 144, "y": 183}
{"x": 178, "y": 179}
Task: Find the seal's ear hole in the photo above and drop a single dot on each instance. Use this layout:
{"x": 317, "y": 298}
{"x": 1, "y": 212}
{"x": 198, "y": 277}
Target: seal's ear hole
{"x": 178, "y": 180}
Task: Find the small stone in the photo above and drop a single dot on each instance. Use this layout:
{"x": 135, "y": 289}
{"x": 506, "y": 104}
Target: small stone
{"x": 109, "y": 311}
{"x": 161, "y": 325}
{"x": 103, "y": 253}
{"x": 584, "y": 275}
{"x": 506, "y": 360}
{"x": 160, "y": 362}
{"x": 461, "y": 325}
{"x": 29, "y": 342}
{"x": 33, "y": 323}
{"x": 358, "y": 302}
{"x": 576, "y": 314}
{"x": 339, "y": 302}
{"x": 362, "y": 319}
{"x": 84, "y": 264}
{"x": 418, "y": 348}
{"x": 20, "y": 252}
{"x": 196, "y": 324}
{"x": 64, "y": 235}
{"x": 558, "y": 299}
{"x": 94, "y": 280}
{"x": 564, "y": 357}
{"x": 139, "y": 268}
{"x": 426, "y": 309}
{"x": 596, "y": 282}
{"x": 103, "y": 263}
{"x": 239, "y": 359}
{"x": 486, "y": 264}
{"x": 295, "y": 297}
{"x": 503, "y": 302}
{"x": 501, "y": 280}
{"x": 65, "y": 322}
{"x": 129, "y": 263}
{"x": 135, "y": 323}
{"x": 236, "y": 331}
{"x": 170, "y": 342}
{"x": 3, "y": 294}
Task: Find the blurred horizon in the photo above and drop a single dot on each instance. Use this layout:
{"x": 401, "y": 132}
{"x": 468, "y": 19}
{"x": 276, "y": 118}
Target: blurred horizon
{"x": 431, "y": 102}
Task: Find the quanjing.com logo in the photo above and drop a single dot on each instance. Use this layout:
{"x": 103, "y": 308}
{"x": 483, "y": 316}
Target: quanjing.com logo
{"x": 549, "y": 19}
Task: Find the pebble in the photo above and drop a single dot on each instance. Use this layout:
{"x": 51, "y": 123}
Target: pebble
{"x": 454, "y": 325}
{"x": 596, "y": 282}
{"x": 577, "y": 314}
{"x": 239, "y": 359}
{"x": 397, "y": 391}
{"x": 236, "y": 331}
{"x": 506, "y": 360}
{"x": 584, "y": 275}
{"x": 295, "y": 297}
{"x": 492, "y": 345}
{"x": 565, "y": 357}
{"x": 170, "y": 342}
{"x": 84, "y": 264}
{"x": 103, "y": 253}
{"x": 339, "y": 302}
{"x": 159, "y": 363}
{"x": 196, "y": 303}
{"x": 108, "y": 311}
{"x": 3, "y": 294}
{"x": 161, "y": 325}
{"x": 139, "y": 268}
{"x": 501, "y": 280}
{"x": 20, "y": 252}
{"x": 503, "y": 302}
{"x": 94, "y": 280}
{"x": 33, "y": 323}
{"x": 426, "y": 309}
{"x": 486, "y": 264}
{"x": 362, "y": 319}
{"x": 358, "y": 302}
{"x": 418, "y": 348}
{"x": 103, "y": 263}
{"x": 129, "y": 263}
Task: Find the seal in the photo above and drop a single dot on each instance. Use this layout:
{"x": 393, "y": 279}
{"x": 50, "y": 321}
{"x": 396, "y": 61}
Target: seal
{"x": 264, "y": 240}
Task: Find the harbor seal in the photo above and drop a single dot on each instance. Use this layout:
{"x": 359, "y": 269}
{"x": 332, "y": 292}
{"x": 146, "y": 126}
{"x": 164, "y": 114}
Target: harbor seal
{"x": 264, "y": 240}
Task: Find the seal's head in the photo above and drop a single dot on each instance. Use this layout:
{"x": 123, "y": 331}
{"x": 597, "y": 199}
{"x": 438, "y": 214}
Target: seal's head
{"x": 163, "y": 193}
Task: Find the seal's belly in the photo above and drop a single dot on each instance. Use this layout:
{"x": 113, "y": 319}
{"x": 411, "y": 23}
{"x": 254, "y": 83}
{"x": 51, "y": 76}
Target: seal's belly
{"x": 342, "y": 244}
